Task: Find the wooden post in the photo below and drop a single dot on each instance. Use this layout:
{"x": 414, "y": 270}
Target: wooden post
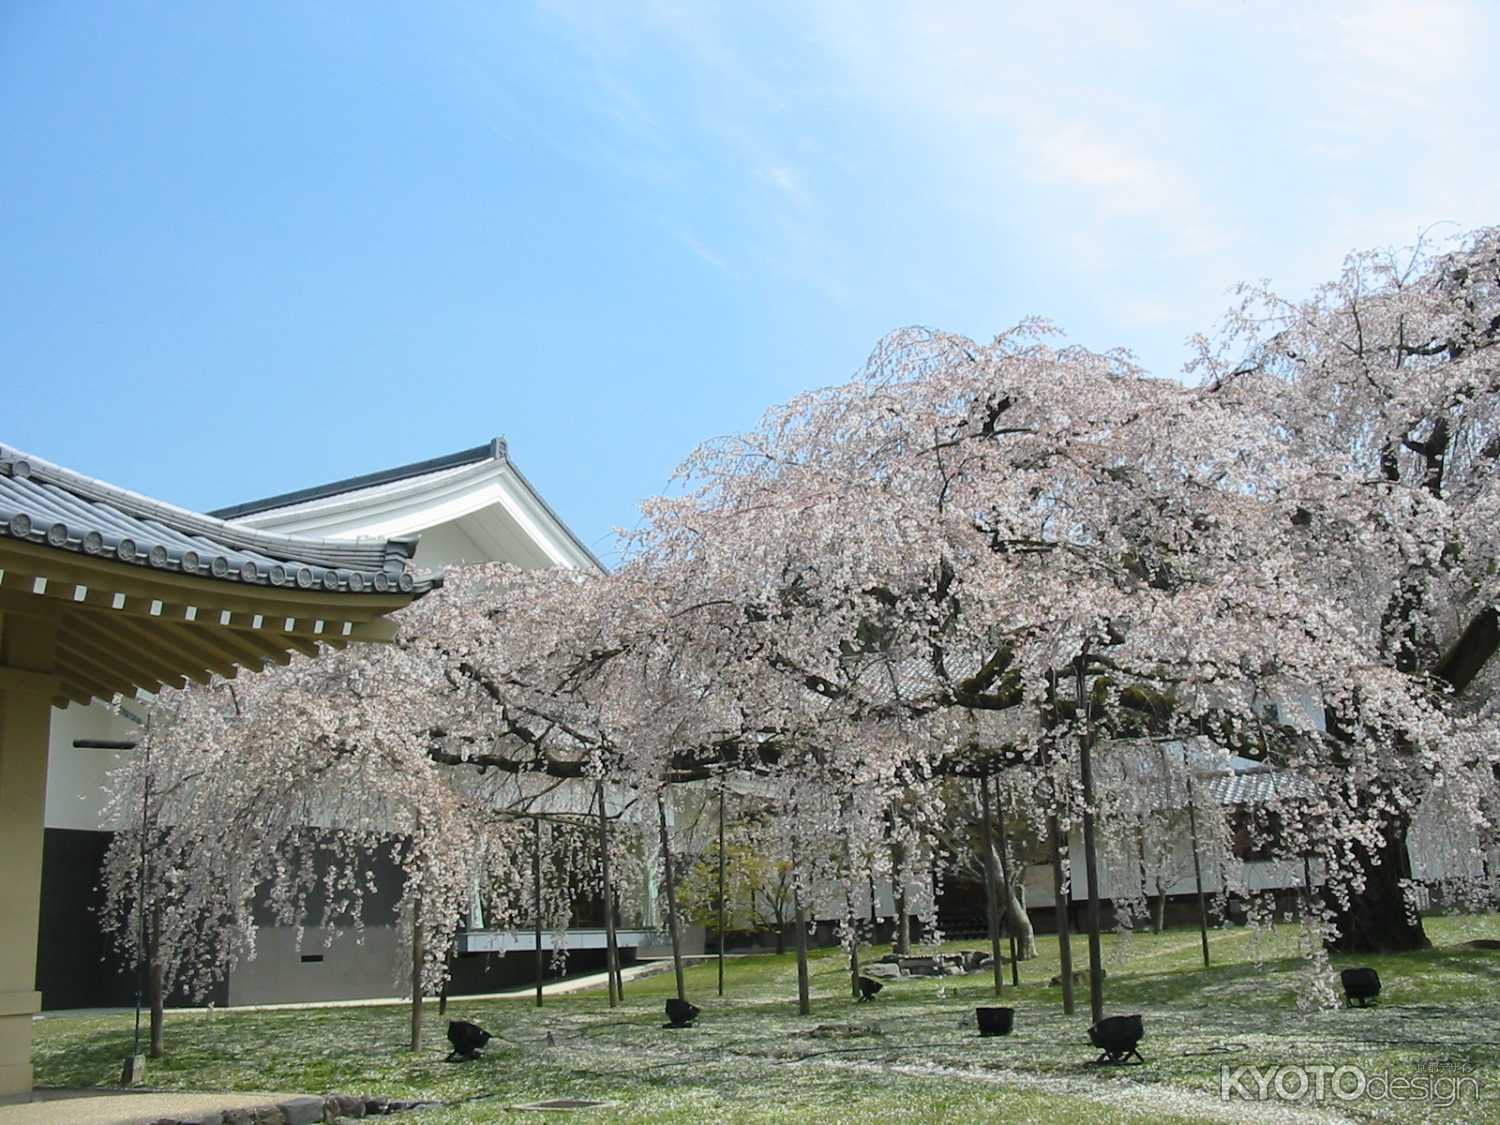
{"x": 666, "y": 855}
{"x": 722, "y": 786}
{"x": 611, "y": 945}
{"x": 1197, "y": 867}
{"x": 536, "y": 902}
{"x": 991, "y": 892}
{"x": 1015, "y": 960}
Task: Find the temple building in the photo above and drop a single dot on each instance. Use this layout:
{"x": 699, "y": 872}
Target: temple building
{"x": 105, "y": 592}
{"x": 467, "y": 507}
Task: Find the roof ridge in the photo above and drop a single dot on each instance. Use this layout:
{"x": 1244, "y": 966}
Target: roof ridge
{"x": 493, "y": 450}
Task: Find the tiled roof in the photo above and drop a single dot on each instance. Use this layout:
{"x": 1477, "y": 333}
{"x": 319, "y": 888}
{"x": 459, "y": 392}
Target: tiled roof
{"x": 494, "y": 450}
{"x": 51, "y": 506}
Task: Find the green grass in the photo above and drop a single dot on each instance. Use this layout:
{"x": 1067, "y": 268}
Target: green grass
{"x": 919, "y": 1058}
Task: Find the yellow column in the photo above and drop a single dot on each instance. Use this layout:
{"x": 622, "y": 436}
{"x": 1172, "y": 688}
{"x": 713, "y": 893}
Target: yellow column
{"x": 27, "y": 684}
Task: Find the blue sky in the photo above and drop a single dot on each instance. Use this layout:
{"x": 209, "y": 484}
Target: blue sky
{"x": 248, "y": 248}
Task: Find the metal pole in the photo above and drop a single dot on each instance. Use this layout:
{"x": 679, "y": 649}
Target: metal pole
{"x": 536, "y": 900}
{"x": 666, "y": 855}
{"x": 1062, "y": 894}
{"x": 140, "y": 985}
{"x": 611, "y": 944}
{"x": 722, "y": 785}
{"x": 1197, "y": 871}
{"x": 1090, "y": 847}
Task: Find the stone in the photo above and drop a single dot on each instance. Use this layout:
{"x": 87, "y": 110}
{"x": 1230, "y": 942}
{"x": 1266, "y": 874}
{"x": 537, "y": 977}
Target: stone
{"x": 883, "y": 970}
{"x": 350, "y": 1107}
{"x": 302, "y": 1111}
{"x": 1079, "y": 978}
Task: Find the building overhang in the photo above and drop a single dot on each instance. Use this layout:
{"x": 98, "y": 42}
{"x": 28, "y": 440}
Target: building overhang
{"x": 143, "y": 595}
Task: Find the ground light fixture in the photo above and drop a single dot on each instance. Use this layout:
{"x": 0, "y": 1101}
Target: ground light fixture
{"x": 468, "y": 1040}
{"x": 1361, "y": 984}
{"x": 869, "y": 988}
{"x": 680, "y": 1013}
{"x": 1117, "y": 1037}
{"x": 995, "y": 1021}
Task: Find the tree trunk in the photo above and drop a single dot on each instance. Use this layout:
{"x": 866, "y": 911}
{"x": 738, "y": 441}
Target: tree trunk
{"x": 901, "y": 939}
{"x": 1018, "y": 922}
{"x": 804, "y": 996}
{"x": 852, "y": 922}
{"x": 418, "y": 955}
{"x": 611, "y": 944}
{"x": 666, "y": 856}
{"x": 991, "y": 892}
{"x": 158, "y": 1000}
{"x": 1377, "y": 920}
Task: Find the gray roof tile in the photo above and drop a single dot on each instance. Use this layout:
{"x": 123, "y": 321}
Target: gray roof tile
{"x": 48, "y": 505}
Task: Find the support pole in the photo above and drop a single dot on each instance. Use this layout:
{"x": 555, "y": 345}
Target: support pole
{"x": 1090, "y": 846}
{"x": 991, "y": 891}
{"x": 722, "y": 786}
{"x": 666, "y": 855}
{"x": 143, "y": 984}
{"x": 1062, "y": 894}
{"x": 536, "y": 901}
{"x": 611, "y": 945}
{"x": 1197, "y": 873}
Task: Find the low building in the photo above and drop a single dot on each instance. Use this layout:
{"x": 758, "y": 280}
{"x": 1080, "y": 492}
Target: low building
{"x": 104, "y": 592}
{"x": 472, "y": 506}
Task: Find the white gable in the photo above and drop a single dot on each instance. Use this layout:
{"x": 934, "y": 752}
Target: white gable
{"x": 483, "y": 511}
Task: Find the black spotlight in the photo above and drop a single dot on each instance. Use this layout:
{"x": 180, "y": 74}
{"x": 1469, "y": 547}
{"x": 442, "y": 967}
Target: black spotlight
{"x": 869, "y": 988}
{"x": 1360, "y": 984}
{"x": 681, "y": 1013}
{"x": 995, "y": 1021}
{"x": 468, "y": 1039}
{"x": 1117, "y": 1037}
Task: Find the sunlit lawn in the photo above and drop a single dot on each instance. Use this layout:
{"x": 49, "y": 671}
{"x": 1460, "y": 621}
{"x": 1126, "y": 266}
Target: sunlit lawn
{"x": 917, "y": 1057}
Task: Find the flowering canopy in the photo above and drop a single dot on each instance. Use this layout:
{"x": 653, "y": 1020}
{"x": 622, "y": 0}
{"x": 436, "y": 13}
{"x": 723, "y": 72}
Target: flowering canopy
{"x": 972, "y": 558}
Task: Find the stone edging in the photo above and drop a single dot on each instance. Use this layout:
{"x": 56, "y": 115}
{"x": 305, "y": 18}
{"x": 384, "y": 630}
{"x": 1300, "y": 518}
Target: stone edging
{"x": 300, "y": 1111}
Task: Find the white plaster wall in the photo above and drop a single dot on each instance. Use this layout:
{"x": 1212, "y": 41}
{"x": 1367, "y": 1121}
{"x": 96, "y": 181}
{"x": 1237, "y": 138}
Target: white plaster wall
{"x": 76, "y": 778}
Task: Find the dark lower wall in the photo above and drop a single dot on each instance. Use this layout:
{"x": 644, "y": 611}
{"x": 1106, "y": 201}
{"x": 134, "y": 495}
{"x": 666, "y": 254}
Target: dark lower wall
{"x": 76, "y": 966}
{"x": 348, "y": 969}
{"x": 76, "y": 962}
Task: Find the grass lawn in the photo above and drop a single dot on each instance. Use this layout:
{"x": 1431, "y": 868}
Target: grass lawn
{"x": 916, "y": 1057}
